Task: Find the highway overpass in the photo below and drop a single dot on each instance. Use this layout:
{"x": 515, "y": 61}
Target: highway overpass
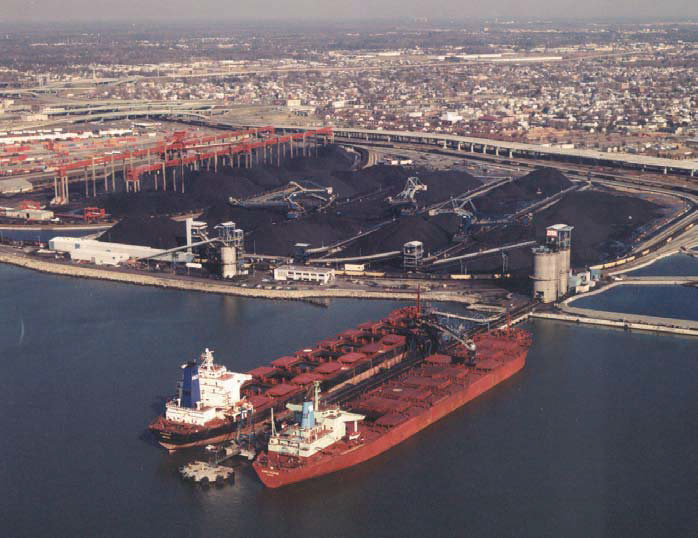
{"x": 512, "y": 149}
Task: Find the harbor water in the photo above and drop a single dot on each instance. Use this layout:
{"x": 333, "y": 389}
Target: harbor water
{"x": 679, "y": 302}
{"x": 597, "y": 436}
{"x": 675, "y": 265}
{"x": 667, "y": 301}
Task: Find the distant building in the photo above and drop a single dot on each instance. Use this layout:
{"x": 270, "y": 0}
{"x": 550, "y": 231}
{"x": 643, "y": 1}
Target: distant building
{"x": 451, "y": 117}
{"x": 580, "y": 282}
{"x": 302, "y": 273}
{"x": 28, "y": 214}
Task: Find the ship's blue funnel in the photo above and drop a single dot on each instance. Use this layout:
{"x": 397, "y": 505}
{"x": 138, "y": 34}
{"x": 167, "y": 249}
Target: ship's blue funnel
{"x": 308, "y": 416}
{"x": 190, "y": 386}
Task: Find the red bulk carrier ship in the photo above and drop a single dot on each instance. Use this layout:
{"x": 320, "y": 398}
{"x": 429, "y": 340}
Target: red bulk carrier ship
{"x": 396, "y": 406}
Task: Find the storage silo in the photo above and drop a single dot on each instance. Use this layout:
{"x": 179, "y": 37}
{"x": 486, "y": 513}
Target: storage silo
{"x": 546, "y": 274}
{"x": 559, "y": 238}
{"x": 229, "y": 262}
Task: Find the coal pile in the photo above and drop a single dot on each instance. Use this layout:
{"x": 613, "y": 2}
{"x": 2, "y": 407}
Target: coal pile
{"x": 603, "y": 222}
{"x": 245, "y": 218}
{"x": 269, "y": 232}
{"x": 448, "y": 222}
{"x": 143, "y": 204}
{"x": 155, "y": 232}
{"x": 442, "y": 185}
{"x": 518, "y": 260}
{"x": 205, "y": 188}
{"x": 394, "y": 235}
{"x": 523, "y": 191}
{"x": 374, "y": 178}
{"x": 330, "y": 157}
{"x": 318, "y": 230}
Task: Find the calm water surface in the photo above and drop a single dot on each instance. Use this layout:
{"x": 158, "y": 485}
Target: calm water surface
{"x": 595, "y": 437}
{"x": 664, "y": 301}
{"x": 675, "y": 265}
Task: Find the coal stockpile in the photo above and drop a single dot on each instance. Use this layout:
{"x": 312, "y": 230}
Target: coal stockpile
{"x": 245, "y": 218}
{"x": 206, "y": 187}
{"x": 448, "y": 222}
{"x": 390, "y": 179}
{"x": 603, "y": 222}
{"x": 394, "y": 235}
{"x": 269, "y": 232}
{"x": 518, "y": 260}
{"x": 442, "y": 185}
{"x": 318, "y": 230}
{"x": 155, "y": 232}
{"x": 329, "y": 157}
{"x": 523, "y": 191}
{"x": 143, "y": 204}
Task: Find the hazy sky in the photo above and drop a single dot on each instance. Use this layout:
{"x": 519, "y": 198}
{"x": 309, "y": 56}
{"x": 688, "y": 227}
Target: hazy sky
{"x": 65, "y": 10}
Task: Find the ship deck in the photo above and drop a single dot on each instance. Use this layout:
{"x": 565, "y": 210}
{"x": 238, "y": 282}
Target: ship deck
{"x": 425, "y": 384}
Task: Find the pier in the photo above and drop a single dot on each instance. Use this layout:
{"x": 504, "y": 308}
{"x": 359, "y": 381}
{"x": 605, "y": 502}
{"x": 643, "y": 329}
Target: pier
{"x": 626, "y": 321}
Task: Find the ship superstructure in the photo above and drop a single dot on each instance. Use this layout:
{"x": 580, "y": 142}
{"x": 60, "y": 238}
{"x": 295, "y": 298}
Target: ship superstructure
{"x": 314, "y": 429}
{"x": 208, "y": 400}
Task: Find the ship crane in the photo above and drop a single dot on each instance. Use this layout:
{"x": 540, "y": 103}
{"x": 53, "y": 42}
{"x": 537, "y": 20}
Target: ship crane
{"x": 433, "y": 322}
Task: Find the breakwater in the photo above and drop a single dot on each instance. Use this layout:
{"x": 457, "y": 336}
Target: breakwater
{"x": 628, "y": 322}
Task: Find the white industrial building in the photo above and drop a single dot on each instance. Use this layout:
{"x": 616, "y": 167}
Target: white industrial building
{"x": 320, "y": 275}
{"x": 28, "y": 214}
{"x": 100, "y": 253}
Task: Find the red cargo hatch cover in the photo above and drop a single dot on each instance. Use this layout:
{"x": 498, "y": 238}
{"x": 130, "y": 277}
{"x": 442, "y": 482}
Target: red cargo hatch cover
{"x": 351, "y": 358}
{"x": 393, "y": 419}
{"x": 306, "y": 379}
{"x": 262, "y": 371}
{"x": 438, "y": 359}
{"x": 328, "y": 368}
{"x": 418, "y": 381}
{"x": 258, "y": 401}
{"x": 393, "y": 339}
{"x": 285, "y": 362}
{"x": 281, "y": 390}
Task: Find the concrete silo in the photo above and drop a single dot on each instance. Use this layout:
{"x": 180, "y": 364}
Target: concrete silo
{"x": 551, "y": 264}
{"x": 545, "y": 274}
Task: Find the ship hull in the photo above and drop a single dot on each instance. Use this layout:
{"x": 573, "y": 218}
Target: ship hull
{"x": 274, "y": 478}
{"x": 174, "y": 440}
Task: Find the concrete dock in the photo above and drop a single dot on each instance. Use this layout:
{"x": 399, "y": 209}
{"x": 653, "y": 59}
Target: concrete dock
{"x": 627, "y": 322}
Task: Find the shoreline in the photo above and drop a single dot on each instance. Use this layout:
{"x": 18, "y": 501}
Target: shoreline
{"x": 219, "y": 287}
{"x": 49, "y": 227}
